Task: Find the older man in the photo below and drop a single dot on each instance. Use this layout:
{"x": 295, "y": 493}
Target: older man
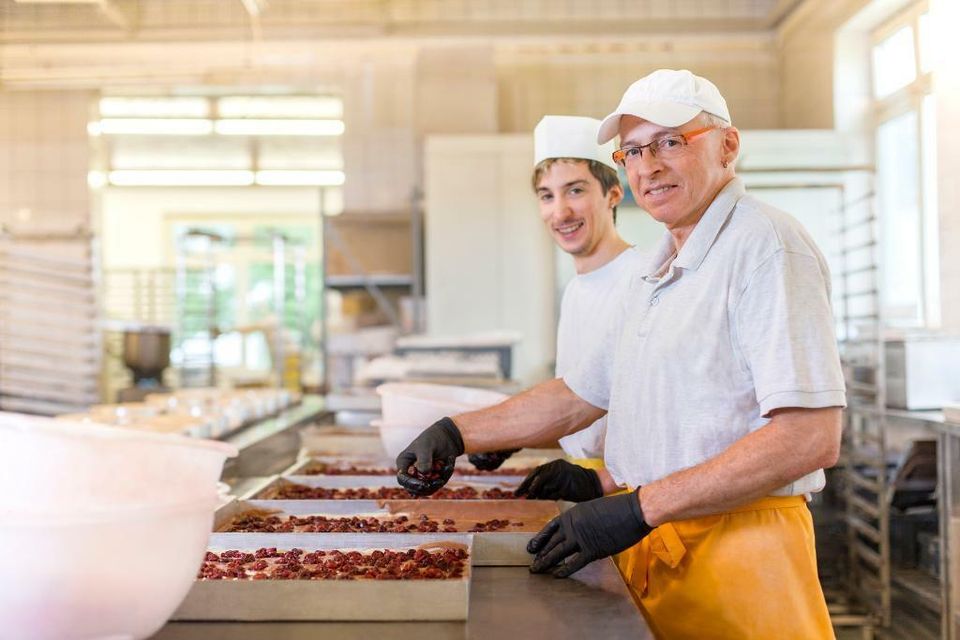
{"x": 723, "y": 393}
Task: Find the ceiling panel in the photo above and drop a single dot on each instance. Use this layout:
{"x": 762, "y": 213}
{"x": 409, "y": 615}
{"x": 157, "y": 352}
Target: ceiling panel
{"x": 53, "y": 21}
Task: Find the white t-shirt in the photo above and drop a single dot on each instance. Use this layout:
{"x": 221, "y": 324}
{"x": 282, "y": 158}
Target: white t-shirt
{"x": 592, "y": 306}
{"x": 735, "y": 326}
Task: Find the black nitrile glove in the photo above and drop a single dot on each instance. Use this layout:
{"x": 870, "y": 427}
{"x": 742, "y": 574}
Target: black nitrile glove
{"x": 490, "y": 460}
{"x": 587, "y": 532}
{"x": 427, "y": 462}
{"x": 561, "y": 480}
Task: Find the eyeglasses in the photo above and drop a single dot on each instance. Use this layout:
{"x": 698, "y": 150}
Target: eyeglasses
{"x": 665, "y": 147}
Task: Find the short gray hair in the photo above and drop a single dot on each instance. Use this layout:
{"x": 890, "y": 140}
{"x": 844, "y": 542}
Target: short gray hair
{"x": 711, "y": 120}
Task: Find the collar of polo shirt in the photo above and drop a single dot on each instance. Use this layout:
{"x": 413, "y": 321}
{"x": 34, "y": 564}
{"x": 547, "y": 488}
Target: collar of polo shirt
{"x": 698, "y": 244}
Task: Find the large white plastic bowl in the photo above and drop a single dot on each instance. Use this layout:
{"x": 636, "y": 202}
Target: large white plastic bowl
{"x": 51, "y": 466}
{"x": 395, "y": 438}
{"x": 114, "y": 575}
{"x": 421, "y": 403}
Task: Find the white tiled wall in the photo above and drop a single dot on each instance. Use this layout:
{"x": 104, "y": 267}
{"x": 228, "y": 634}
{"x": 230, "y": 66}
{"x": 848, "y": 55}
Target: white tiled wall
{"x": 44, "y": 157}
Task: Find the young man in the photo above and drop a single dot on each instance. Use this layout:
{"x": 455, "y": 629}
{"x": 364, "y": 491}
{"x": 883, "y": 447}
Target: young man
{"x": 578, "y": 190}
{"x": 723, "y": 393}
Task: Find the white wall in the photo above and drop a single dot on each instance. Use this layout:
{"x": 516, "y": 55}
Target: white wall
{"x": 44, "y": 157}
{"x": 489, "y": 262}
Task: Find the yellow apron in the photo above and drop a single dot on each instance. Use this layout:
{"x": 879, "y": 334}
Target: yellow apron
{"x": 588, "y": 463}
{"x": 748, "y": 574}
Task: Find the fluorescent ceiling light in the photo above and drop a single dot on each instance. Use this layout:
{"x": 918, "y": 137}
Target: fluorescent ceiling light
{"x": 96, "y": 179}
{"x": 300, "y": 178}
{"x": 280, "y": 107}
{"x": 259, "y": 127}
{"x": 179, "y": 107}
{"x": 181, "y": 178}
{"x": 159, "y": 126}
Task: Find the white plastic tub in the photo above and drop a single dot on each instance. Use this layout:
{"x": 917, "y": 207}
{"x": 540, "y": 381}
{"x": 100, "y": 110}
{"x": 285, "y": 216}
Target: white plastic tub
{"x": 53, "y": 466}
{"x": 395, "y": 438}
{"x": 418, "y": 403}
{"x": 114, "y": 575}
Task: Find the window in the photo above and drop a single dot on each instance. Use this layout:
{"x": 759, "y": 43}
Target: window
{"x": 899, "y": 199}
{"x": 894, "y": 64}
{"x": 906, "y": 170}
{"x": 227, "y": 312}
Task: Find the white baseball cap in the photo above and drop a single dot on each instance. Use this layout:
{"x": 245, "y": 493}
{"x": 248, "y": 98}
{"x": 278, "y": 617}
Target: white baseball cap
{"x": 570, "y": 137}
{"x": 667, "y": 97}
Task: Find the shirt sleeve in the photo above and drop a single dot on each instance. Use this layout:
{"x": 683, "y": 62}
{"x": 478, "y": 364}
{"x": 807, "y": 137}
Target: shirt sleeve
{"x": 591, "y": 375}
{"x": 786, "y": 334}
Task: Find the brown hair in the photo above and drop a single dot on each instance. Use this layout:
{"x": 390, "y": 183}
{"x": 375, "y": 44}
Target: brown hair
{"x": 605, "y": 175}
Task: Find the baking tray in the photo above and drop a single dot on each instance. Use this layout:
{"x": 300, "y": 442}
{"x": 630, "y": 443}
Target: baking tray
{"x": 504, "y": 548}
{"x": 463, "y": 471}
{"x": 354, "y": 482}
{"x": 347, "y": 600}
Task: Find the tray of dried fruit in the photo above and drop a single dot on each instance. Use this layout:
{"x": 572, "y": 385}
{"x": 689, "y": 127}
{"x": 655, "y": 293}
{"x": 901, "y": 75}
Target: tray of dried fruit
{"x": 350, "y": 577}
{"x": 376, "y": 488}
{"x": 511, "y": 471}
{"x": 501, "y": 529}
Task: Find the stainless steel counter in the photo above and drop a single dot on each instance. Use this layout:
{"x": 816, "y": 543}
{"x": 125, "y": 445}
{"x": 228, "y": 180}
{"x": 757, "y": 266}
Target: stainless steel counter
{"x": 270, "y": 446}
{"x": 505, "y": 602}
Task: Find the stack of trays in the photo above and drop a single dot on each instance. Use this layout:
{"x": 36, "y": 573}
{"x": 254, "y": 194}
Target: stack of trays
{"x": 49, "y": 332}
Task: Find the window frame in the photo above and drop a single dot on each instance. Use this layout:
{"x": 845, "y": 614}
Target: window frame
{"x": 910, "y": 98}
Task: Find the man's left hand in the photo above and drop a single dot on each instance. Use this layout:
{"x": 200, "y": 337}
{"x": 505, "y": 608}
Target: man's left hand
{"x": 587, "y": 532}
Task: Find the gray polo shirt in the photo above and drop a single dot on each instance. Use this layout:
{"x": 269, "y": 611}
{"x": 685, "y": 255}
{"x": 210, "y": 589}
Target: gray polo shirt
{"x": 735, "y": 326}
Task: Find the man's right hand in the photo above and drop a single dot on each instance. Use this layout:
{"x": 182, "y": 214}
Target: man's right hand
{"x": 490, "y": 460}
{"x": 561, "y": 480}
{"x": 427, "y": 462}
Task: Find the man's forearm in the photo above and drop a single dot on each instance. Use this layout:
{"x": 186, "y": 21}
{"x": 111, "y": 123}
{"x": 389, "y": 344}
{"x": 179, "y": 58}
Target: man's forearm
{"x": 539, "y": 415}
{"x": 607, "y": 482}
{"x": 795, "y": 442}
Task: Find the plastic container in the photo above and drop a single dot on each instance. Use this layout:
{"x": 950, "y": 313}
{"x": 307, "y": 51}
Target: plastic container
{"x": 116, "y": 575}
{"x": 395, "y": 438}
{"x": 424, "y": 404}
{"x": 54, "y": 466}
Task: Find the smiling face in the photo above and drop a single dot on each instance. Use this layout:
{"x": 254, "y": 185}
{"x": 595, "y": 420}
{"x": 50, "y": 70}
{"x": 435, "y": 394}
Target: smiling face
{"x": 576, "y": 212}
{"x": 677, "y": 191}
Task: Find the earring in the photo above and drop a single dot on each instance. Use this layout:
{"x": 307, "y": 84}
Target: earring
{"x": 724, "y": 164}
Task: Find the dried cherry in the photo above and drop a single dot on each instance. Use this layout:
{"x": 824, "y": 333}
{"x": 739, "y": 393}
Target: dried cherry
{"x": 256, "y": 522}
{"x": 294, "y": 491}
{"x": 331, "y": 469}
{"x": 419, "y": 564}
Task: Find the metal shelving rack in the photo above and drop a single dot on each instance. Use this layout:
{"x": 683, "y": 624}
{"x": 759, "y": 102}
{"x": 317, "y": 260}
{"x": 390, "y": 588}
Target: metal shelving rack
{"x": 376, "y": 285}
{"x": 865, "y": 599}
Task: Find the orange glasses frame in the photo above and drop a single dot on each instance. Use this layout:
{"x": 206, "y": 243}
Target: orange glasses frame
{"x": 620, "y": 155}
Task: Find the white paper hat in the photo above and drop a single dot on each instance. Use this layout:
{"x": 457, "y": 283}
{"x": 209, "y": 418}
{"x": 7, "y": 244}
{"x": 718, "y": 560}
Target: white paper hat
{"x": 666, "y": 97}
{"x": 570, "y": 137}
